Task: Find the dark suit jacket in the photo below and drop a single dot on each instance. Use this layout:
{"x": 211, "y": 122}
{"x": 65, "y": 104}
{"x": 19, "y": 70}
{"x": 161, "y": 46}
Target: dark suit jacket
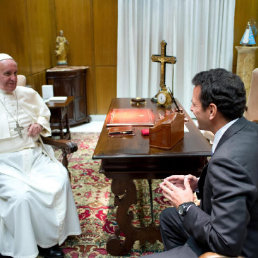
{"x": 227, "y": 222}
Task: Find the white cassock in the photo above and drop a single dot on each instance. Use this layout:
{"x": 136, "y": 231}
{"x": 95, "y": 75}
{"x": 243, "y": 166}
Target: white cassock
{"x": 36, "y": 202}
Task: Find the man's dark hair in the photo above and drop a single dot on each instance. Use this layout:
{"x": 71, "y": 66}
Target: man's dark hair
{"x": 223, "y": 88}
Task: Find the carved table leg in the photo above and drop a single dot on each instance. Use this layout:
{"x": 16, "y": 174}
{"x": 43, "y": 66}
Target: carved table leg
{"x": 127, "y": 190}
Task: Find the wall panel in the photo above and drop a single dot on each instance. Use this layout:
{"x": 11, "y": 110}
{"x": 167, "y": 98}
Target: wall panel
{"x": 105, "y": 31}
{"x": 41, "y": 25}
{"x": 74, "y": 18}
{"x": 28, "y": 26}
{"x": 105, "y": 87}
{"x": 14, "y": 32}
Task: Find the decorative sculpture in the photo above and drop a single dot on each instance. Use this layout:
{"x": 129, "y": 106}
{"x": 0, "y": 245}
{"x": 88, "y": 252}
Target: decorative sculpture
{"x": 248, "y": 37}
{"x": 61, "y": 49}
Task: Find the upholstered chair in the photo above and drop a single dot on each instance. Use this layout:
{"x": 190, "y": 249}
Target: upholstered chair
{"x": 21, "y": 80}
{"x": 252, "y": 103}
{"x": 215, "y": 255}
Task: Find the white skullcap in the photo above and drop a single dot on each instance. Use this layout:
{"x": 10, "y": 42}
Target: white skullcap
{"x": 4, "y": 56}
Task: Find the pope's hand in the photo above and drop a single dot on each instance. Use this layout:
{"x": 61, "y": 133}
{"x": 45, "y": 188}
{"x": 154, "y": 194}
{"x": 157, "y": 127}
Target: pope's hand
{"x": 34, "y": 129}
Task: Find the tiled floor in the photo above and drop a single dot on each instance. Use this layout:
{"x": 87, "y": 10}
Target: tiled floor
{"x": 95, "y": 125}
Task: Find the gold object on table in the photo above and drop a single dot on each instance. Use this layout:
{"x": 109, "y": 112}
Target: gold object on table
{"x": 137, "y": 101}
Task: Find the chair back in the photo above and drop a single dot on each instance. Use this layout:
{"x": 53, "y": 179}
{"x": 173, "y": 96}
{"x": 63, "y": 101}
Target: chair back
{"x": 252, "y": 102}
{"x": 21, "y": 80}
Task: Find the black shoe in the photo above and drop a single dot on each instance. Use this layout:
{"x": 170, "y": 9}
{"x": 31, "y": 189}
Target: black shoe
{"x": 52, "y": 252}
{"x": 3, "y": 256}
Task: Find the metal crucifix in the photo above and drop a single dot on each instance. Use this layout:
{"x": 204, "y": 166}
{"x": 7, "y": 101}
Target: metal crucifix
{"x": 18, "y": 129}
{"x": 163, "y": 60}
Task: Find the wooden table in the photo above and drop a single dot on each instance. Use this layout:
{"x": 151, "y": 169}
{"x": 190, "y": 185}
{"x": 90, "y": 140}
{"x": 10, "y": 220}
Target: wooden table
{"x": 130, "y": 157}
{"x": 59, "y": 120}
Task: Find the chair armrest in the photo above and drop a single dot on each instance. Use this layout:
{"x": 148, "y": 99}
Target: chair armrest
{"x": 67, "y": 147}
{"x": 61, "y": 144}
{"x": 215, "y": 255}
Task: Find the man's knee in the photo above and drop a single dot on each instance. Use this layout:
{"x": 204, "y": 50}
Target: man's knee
{"x": 167, "y": 214}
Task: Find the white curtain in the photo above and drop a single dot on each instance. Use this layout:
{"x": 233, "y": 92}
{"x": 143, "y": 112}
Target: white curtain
{"x": 198, "y": 32}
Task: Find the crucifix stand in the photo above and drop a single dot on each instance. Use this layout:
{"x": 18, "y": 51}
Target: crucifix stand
{"x": 163, "y": 60}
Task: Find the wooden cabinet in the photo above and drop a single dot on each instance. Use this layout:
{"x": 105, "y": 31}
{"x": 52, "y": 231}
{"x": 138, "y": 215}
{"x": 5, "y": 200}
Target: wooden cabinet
{"x": 71, "y": 81}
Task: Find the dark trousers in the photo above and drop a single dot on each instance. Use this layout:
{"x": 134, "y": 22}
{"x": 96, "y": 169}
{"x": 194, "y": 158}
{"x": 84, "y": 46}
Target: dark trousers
{"x": 176, "y": 240}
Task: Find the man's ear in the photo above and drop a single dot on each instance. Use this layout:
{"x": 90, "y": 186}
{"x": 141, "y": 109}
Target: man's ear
{"x": 212, "y": 111}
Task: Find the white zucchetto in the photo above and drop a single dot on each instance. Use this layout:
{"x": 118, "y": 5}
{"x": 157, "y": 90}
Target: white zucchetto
{"x": 4, "y": 56}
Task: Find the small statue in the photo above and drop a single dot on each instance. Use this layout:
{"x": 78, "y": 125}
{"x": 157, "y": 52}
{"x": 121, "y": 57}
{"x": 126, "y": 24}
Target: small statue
{"x": 248, "y": 37}
{"x": 61, "y": 49}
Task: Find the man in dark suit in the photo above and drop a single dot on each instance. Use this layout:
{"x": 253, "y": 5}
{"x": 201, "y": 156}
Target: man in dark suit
{"x": 226, "y": 221}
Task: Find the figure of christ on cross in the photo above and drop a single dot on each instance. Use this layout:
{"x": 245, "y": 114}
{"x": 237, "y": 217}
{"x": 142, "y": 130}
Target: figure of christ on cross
{"x": 163, "y": 59}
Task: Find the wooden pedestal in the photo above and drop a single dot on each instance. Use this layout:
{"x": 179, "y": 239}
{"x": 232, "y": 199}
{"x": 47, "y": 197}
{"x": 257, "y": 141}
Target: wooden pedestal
{"x": 246, "y": 65}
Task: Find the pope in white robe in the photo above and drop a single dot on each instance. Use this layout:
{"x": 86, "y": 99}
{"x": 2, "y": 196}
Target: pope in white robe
{"x": 37, "y": 208}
